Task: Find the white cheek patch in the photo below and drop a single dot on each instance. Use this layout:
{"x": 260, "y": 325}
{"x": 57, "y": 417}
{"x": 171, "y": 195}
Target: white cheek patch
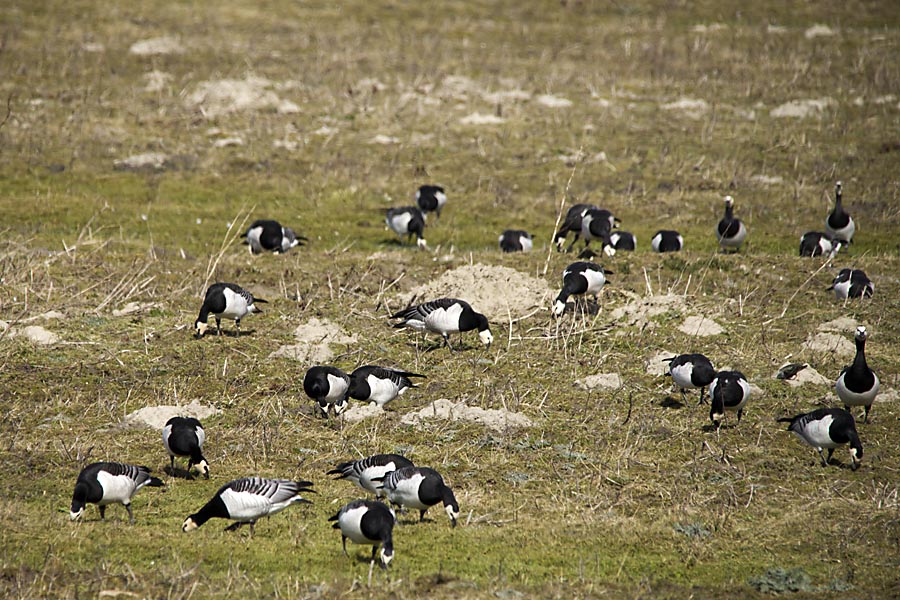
{"x": 75, "y": 515}
{"x": 559, "y": 308}
{"x": 421, "y": 243}
{"x": 189, "y": 525}
{"x": 453, "y": 514}
{"x": 486, "y": 337}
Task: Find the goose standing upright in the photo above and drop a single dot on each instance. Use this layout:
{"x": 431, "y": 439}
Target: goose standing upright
{"x": 730, "y": 232}
{"x": 827, "y": 428}
{"x": 103, "y": 483}
{"x": 229, "y": 301}
{"x": 839, "y": 224}
{"x": 857, "y": 384}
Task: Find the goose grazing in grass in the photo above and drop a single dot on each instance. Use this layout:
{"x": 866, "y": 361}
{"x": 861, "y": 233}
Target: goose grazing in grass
{"x": 857, "y": 384}
{"x": 839, "y": 224}
{"x": 730, "y": 232}
{"x": 379, "y": 384}
{"x": 328, "y": 387}
{"x": 431, "y": 198}
{"x": 445, "y": 316}
{"x": 816, "y": 243}
{"x": 572, "y": 223}
{"x": 729, "y": 391}
{"x": 690, "y": 372}
{"x": 365, "y": 471}
{"x": 420, "y": 488}
{"x": 827, "y": 428}
{"x": 103, "y": 483}
{"x": 226, "y": 301}
{"x": 623, "y": 240}
{"x": 407, "y": 221}
{"x": 247, "y": 500}
{"x": 597, "y": 224}
{"x": 667, "y": 241}
{"x": 269, "y": 236}
{"x": 580, "y": 278}
{"x": 184, "y": 436}
{"x": 515, "y": 240}
{"x": 852, "y": 283}
{"x": 367, "y": 523}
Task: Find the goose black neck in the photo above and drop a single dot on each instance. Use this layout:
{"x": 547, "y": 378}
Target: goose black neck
{"x": 213, "y": 508}
{"x": 860, "y": 361}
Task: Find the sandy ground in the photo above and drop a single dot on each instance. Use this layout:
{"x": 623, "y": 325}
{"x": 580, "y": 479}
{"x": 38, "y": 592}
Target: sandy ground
{"x": 155, "y": 417}
{"x": 497, "y": 292}
{"x": 497, "y": 419}
{"x": 314, "y": 339}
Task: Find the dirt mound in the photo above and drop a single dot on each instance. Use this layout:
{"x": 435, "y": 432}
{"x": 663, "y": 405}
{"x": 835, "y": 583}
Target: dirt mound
{"x": 314, "y": 339}
{"x": 840, "y": 325}
{"x": 446, "y": 410}
{"x": 700, "y": 326}
{"x": 642, "y": 308}
{"x": 600, "y": 381}
{"x": 657, "y": 364}
{"x": 830, "y": 343}
{"x": 360, "y": 412}
{"x": 36, "y": 334}
{"x": 155, "y": 417}
{"x": 225, "y": 96}
{"x": 799, "y": 109}
{"x": 498, "y": 292}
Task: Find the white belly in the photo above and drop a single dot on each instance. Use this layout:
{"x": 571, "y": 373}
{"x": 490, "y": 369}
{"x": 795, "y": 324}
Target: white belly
{"x": 681, "y": 375}
{"x": 851, "y": 398}
{"x": 816, "y": 433}
{"x": 350, "y": 523}
{"x": 235, "y": 305}
{"x": 382, "y": 390}
{"x": 253, "y": 239}
{"x": 737, "y": 240}
{"x": 116, "y": 488}
{"x": 400, "y": 223}
{"x": 246, "y": 506}
{"x": 444, "y": 320}
{"x": 526, "y": 243}
{"x": 407, "y": 493}
{"x": 595, "y": 281}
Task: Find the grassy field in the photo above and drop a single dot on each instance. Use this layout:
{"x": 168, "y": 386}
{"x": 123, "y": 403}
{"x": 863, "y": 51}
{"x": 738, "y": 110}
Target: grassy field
{"x": 654, "y": 111}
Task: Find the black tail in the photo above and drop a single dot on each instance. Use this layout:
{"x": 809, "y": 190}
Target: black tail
{"x": 155, "y": 482}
